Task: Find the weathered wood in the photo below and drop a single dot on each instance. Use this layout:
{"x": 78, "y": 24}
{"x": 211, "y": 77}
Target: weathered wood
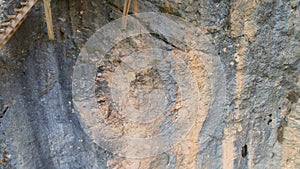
{"x": 24, "y": 3}
{"x": 4, "y": 24}
{"x": 14, "y": 23}
{"x": 135, "y": 7}
{"x": 18, "y": 10}
{"x": 11, "y": 16}
{"x": 125, "y": 13}
{"x": 48, "y": 13}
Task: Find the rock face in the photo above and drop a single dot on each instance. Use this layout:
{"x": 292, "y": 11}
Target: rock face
{"x": 239, "y": 66}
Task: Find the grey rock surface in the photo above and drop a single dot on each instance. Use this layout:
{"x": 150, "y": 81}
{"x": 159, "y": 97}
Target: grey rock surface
{"x": 258, "y": 45}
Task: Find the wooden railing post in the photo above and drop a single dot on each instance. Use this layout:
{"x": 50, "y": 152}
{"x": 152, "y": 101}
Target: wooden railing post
{"x": 125, "y": 13}
{"x": 49, "y": 19}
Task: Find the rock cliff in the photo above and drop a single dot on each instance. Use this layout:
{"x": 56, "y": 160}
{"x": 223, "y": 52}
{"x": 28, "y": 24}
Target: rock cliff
{"x": 238, "y": 97}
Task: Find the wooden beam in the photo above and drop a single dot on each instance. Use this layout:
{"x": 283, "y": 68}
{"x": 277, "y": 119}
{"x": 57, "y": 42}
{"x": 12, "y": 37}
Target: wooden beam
{"x": 49, "y": 19}
{"x": 135, "y": 7}
{"x": 125, "y": 13}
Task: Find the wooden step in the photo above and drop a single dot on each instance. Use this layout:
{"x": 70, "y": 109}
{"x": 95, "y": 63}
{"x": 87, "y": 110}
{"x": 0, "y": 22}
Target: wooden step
{"x": 24, "y": 3}
{"x": 5, "y": 24}
{"x": 18, "y": 10}
{"x": 2, "y": 30}
{"x": 11, "y": 16}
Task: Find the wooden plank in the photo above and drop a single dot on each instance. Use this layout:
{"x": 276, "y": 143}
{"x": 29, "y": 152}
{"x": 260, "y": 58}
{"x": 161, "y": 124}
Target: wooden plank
{"x": 5, "y": 24}
{"x": 24, "y": 3}
{"x": 11, "y": 16}
{"x": 18, "y": 10}
{"x": 49, "y": 19}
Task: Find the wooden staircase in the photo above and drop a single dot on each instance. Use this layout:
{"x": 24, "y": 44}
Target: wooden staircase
{"x": 9, "y": 27}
